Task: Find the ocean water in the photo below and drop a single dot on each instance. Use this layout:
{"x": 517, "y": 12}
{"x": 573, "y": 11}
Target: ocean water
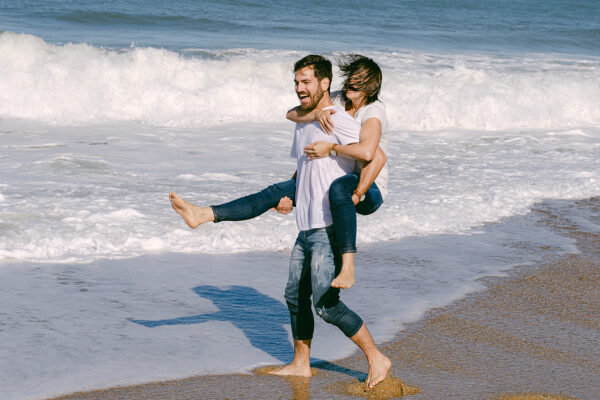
{"x": 105, "y": 107}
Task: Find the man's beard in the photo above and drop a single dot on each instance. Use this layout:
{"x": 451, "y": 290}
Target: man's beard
{"x": 315, "y": 99}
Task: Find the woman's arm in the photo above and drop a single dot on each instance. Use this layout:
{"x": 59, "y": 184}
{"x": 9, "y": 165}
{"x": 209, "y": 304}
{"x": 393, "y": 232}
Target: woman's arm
{"x": 370, "y": 133}
{"x": 298, "y": 115}
{"x": 368, "y": 174}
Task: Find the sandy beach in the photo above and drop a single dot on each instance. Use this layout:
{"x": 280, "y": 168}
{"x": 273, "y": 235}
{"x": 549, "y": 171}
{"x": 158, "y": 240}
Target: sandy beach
{"x": 534, "y": 334}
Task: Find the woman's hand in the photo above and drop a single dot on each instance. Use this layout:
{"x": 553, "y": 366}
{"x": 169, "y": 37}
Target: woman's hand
{"x": 319, "y": 149}
{"x": 324, "y": 119}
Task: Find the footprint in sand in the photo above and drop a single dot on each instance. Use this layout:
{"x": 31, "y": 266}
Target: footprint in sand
{"x": 390, "y": 388}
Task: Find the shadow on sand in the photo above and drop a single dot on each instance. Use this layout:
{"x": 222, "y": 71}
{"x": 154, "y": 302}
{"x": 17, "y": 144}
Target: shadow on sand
{"x": 261, "y": 318}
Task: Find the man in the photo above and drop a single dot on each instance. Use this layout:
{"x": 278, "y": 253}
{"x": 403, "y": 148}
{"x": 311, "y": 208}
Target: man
{"x": 315, "y": 260}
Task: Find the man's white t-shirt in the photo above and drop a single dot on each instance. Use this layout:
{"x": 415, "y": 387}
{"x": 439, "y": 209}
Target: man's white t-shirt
{"x": 373, "y": 110}
{"x": 315, "y": 176}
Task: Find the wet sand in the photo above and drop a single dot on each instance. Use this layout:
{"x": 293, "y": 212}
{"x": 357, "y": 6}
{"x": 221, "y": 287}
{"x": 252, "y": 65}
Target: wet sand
{"x": 534, "y": 335}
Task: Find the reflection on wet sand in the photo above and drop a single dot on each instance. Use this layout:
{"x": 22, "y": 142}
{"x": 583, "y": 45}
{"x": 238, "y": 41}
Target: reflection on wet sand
{"x": 299, "y": 385}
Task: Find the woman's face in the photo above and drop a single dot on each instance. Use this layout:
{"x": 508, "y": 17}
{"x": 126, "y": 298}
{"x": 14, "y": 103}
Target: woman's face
{"x": 353, "y": 93}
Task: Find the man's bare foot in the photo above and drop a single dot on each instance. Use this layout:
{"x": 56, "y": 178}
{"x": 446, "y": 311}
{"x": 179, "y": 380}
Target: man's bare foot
{"x": 191, "y": 214}
{"x": 378, "y": 370}
{"x": 345, "y": 278}
{"x": 293, "y": 370}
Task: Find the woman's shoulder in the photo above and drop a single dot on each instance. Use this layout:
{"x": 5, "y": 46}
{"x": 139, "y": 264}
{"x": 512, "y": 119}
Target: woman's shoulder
{"x": 376, "y": 104}
{"x": 375, "y": 109}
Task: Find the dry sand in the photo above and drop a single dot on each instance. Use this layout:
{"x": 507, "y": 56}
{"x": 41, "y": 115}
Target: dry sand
{"x": 532, "y": 336}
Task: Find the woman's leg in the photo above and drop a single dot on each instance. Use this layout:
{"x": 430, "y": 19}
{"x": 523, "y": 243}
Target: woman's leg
{"x": 343, "y": 212}
{"x": 371, "y": 202}
{"x": 244, "y": 208}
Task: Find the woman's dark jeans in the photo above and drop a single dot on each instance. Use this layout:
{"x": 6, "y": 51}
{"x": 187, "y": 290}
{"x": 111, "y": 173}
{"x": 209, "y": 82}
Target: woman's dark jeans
{"x": 343, "y": 210}
{"x": 255, "y": 204}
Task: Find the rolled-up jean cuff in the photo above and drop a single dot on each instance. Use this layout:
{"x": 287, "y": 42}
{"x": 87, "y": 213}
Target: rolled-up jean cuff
{"x": 348, "y": 250}
{"x": 216, "y": 214}
{"x": 354, "y": 332}
{"x": 304, "y": 338}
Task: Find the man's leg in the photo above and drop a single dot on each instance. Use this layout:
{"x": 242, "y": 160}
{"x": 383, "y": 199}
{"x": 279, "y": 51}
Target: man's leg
{"x": 300, "y": 365}
{"x": 241, "y": 209}
{"x": 379, "y": 365}
{"x": 297, "y": 296}
{"x": 325, "y": 262}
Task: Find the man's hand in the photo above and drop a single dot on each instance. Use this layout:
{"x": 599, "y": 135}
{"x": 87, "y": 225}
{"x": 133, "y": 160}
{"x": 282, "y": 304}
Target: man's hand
{"x": 319, "y": 149}
{"x": 284, "y": 206}
{"x": 324, "y": 120}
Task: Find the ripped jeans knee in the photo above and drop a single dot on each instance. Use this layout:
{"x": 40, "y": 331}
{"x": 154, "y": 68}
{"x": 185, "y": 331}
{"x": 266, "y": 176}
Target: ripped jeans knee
{"x": 342, "y": 317}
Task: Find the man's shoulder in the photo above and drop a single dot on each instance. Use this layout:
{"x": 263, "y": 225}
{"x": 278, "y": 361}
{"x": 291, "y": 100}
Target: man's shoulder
{"x": 341, "y": 114}
{"x": 343, "y": 117}
{"x": 301, "y": 126}
{"x": 345, "y": 127}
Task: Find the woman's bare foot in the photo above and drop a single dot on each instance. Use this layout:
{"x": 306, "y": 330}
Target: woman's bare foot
{"x": 294, "y": 370}
{"x": 378, "y": 370}
{"x": 345, "y": 278}
{"x": 191, "y": 214}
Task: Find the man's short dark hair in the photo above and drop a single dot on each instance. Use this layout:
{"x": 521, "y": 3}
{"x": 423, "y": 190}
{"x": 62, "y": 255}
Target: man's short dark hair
{"x": 320, "y": 65}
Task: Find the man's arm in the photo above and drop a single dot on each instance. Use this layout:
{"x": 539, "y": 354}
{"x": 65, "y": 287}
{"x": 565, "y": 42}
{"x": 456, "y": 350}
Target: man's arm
{"x": 368, "y": 174}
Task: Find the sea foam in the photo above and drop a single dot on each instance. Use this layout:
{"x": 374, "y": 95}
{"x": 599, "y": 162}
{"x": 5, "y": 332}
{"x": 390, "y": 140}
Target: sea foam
{"x": 81, "y": 84}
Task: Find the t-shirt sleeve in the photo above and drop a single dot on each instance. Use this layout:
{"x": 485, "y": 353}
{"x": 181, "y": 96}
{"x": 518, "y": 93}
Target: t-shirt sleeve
{"x": 375, "y": 110}
{"x": 345, "y": 128}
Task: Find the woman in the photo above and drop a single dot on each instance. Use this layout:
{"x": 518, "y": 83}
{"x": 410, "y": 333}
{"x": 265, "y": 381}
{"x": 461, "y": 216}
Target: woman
{"x": 349, "y": 194}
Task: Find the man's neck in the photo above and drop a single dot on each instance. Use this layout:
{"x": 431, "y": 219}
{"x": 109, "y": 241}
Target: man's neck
{"x": 324, "y": 102}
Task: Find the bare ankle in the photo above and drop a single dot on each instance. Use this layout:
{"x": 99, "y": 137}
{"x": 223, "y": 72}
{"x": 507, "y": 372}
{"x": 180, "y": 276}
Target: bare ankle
{"x": 294, "y": 369}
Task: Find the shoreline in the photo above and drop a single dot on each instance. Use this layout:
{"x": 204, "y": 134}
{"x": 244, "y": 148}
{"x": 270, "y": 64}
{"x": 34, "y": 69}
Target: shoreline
{"x": 535, "y": 331}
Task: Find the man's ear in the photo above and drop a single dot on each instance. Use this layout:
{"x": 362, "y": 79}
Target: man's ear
{"x": 325, "y": 82}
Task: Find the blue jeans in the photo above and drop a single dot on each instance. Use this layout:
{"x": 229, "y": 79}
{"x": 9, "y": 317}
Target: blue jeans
{"x": 343, "y": 210}
{"x": 315, "y": 261}
{"x": 255, "y": 204}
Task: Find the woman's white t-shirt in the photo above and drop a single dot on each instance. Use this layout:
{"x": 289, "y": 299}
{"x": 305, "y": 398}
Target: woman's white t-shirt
{"x": 373, "y": 110}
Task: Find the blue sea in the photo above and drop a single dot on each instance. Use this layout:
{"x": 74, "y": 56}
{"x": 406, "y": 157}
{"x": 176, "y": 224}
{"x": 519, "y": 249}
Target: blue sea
{"x": 107, "y": 106}
{"x": 517, "y": 26}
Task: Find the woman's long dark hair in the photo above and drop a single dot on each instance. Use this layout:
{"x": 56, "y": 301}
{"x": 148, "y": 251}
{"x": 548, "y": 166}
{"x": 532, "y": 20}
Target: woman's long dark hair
{"x": 363, "y": 74}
